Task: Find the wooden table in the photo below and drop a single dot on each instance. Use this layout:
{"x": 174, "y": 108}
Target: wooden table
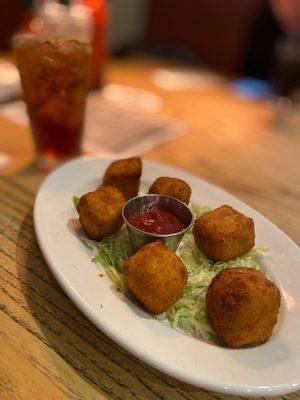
{"x": 48, "y": 349}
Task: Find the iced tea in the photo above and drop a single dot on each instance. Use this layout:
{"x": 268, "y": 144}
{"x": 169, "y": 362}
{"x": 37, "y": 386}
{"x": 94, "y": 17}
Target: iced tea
{"x": 54, "y": 76}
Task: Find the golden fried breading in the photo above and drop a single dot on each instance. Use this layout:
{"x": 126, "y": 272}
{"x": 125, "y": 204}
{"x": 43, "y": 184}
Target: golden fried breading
{"x": 156, "y": 276}
{"x": 125, "y": 175}
{"x": 173, "y": 187}
{"x": 242, "y": 305}
{"x": 100, "y": 212}
{"x": 224, "y": 234}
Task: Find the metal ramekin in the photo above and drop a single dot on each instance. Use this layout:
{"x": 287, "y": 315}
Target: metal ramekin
{"x": 139, "y": 238}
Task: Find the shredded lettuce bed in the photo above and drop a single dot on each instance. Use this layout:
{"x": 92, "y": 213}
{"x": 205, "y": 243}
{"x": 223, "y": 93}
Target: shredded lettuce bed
{"x": 188, "y": 315}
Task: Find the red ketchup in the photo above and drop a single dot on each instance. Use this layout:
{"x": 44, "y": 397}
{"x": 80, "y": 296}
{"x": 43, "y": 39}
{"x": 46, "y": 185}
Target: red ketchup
{"x": 156, "y": 221}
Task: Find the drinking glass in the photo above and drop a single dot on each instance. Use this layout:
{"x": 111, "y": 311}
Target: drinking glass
{"x": 55, "y": 76}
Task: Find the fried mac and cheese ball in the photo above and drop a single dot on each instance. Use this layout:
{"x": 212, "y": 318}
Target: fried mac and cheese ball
{"x": 173, "y": 187}
{"x": 100, "y": 212}
{"x": 224, "y": 234}
{"x": 125, "y": 175}
{"x": 242, "y": 305}
{"x": 156, "y": 276}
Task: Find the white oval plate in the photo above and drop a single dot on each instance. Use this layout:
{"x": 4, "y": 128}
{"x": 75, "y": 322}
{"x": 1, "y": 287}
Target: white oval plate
{"x": 270, "y": 369}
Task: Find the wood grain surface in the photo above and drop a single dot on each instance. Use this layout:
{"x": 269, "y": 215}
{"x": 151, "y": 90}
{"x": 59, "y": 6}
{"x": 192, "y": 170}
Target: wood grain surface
{"x": 48, "y": 349}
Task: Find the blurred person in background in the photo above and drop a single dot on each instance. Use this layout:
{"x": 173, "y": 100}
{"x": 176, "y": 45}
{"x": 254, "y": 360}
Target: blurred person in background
{"x": 274, "y": 46}
{"x": 287, "y": 13}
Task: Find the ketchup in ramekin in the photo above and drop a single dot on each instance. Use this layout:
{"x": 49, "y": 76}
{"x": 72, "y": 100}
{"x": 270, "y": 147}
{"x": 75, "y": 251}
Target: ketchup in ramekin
{"x": 153, "y": 217}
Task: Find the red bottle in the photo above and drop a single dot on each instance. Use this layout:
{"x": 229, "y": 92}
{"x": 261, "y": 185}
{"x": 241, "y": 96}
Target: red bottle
{"x": 100, "y": 17}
